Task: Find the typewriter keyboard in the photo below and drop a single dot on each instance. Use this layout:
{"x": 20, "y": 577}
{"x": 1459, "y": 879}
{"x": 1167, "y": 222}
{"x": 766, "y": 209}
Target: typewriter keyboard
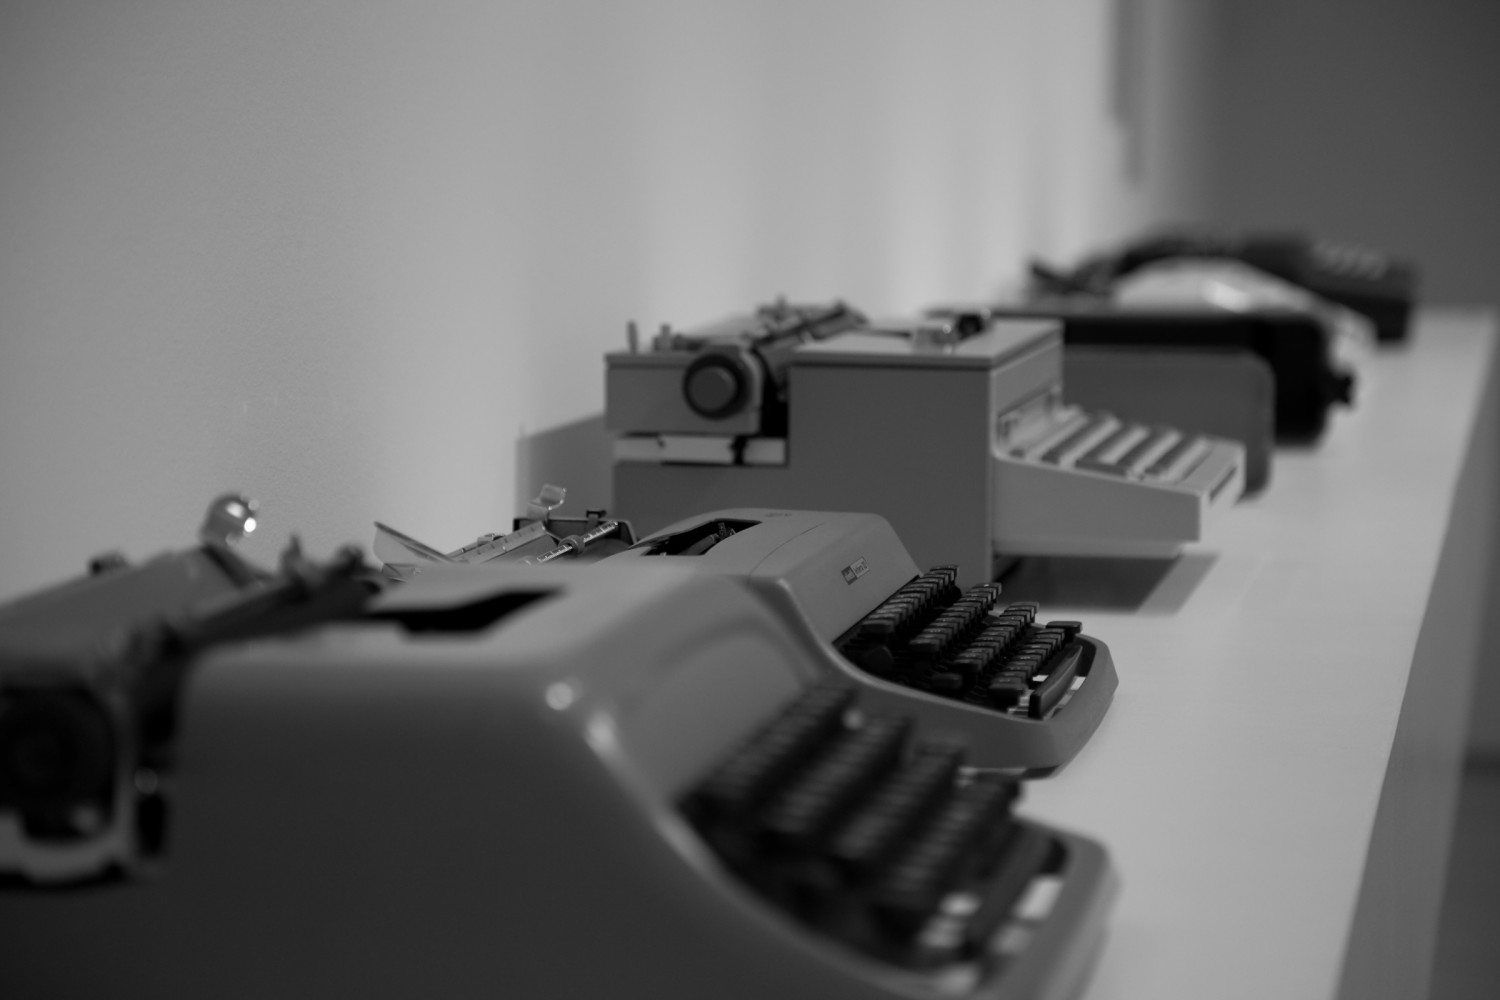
{"x": 1100, "y": 442}
{"x": 967, "y": 646}
{"x": 881, "y": 841}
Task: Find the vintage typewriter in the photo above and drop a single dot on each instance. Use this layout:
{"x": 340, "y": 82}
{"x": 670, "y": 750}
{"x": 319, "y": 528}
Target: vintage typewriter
{"x": 624, "y": 780}
{"x": 955, "y": 431}
{"x": 1375, "y": 284}
{"x": 90, "y": 677}
{"x": 542, "y": 535}
{"x": 1025, "y": 692}
{"x": 1312, "y": 346}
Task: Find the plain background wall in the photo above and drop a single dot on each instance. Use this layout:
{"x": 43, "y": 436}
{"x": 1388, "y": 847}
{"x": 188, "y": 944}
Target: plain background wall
{"x": 1370, "y": 120}
{"x": 1377, "y": 121}
{"x": 346, "y": 255}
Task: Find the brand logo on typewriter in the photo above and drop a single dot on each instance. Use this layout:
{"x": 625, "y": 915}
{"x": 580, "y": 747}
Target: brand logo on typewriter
{"x": 855, "y": 570}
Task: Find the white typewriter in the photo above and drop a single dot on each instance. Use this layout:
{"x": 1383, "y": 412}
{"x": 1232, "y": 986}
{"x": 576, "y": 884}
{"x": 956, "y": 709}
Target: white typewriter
{"x": 1025, "y": 692}
{"x": 957, "y": 433}
{"x": 620, "y": 780}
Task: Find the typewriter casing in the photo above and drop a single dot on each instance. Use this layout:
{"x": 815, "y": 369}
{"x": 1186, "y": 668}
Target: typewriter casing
{"x": 475, "y": 794}
{"x": 90, "y": 676}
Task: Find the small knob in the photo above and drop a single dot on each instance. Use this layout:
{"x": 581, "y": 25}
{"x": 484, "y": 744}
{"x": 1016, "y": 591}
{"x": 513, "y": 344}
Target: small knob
{"x": 715, "y": 386}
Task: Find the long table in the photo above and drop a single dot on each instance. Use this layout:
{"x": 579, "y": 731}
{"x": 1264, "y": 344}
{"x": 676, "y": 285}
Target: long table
{"x": 1277, "y": 778}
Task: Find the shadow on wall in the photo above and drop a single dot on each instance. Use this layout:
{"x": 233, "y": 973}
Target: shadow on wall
{"x": 575, "y": 455}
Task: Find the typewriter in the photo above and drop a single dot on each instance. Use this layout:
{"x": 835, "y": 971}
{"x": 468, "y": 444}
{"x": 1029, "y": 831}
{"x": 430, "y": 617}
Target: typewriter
{"x": 90, "y": 678}
{"x": 575, "y": 781}
{"x": 1313, "y": 347}
{"x": 1377, "y": 285}
{"x": 1025, "y": 692}
{"x": 542, "y": 535}
{"x": 954, "y": 430}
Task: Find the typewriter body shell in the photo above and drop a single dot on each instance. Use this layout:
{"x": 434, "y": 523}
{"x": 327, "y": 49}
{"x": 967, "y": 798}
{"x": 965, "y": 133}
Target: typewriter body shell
{"x": 918, "y": 430}
{"x": 474, "y": 794}
{"x": 1296, "y": 346}
{"x": 68, "y": 646}
{"x": 829, "y": 570}
{"x": 91, "y": 671}
{"x": 1377, "y": 285}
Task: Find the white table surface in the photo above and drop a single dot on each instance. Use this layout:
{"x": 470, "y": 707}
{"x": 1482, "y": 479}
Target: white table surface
{"x": 1236, "y": 778}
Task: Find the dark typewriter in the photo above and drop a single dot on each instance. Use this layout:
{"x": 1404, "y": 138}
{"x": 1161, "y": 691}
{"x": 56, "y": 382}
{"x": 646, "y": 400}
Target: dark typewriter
{"x": 1161, "y": 295}
{"x": 91, "y": 673}
{"x": 1027, "y": 692}
{"x": 1375, "y": 284}
{"x": 1309, "y": 379}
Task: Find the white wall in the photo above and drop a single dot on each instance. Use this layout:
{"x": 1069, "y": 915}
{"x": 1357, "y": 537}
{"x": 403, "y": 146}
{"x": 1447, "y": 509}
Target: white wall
{"x": 1379, "y": 121}
{"x": 346, "y": 255}
{"x": 1373, "y": 120}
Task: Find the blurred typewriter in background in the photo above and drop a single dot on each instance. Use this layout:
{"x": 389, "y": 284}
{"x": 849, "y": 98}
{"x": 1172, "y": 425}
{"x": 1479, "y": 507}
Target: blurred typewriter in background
{"x": 954, "y": 429}
{"x": 1305, "y": 312}
{"x": 1025, "y": 692}
{"x": 542, "y": 535}
{"x": 1374, "y": 284}
{"x": 91, "y": 674}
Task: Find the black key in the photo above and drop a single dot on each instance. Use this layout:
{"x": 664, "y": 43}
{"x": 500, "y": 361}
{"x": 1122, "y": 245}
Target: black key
{"x": 999, "y": 634}
{"x": 947, "y": 575}
{"x": 876, "y": 659}
{"x": 796, "y": 817}
{"x": 949, "y": 683}
{"x": 930, "y": 646}
{"x": 1025, "y": 663}
{"x": 1069, "y": 628}
{"x": 883, "y": 821}
{"x": 1049, "y": 636}
{"x": 970, "y": 663}
{"x": 768, "y": 756}
{"x": 987, "y": 593}
{"x": 1038, "y": 646}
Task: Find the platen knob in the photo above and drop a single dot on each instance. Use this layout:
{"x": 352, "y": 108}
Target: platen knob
{"x": 716, "y": 385}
